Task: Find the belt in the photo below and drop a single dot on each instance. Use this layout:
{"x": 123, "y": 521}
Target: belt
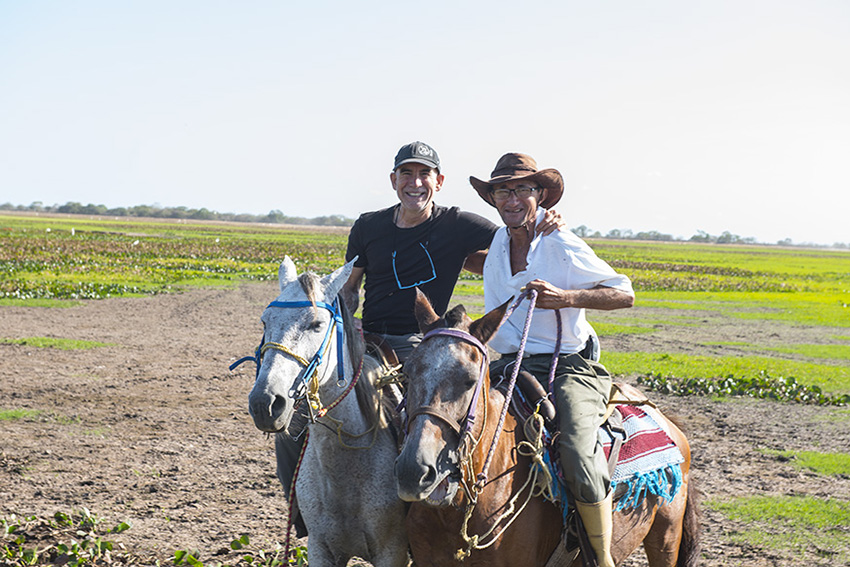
{"x": 586, "y": 351}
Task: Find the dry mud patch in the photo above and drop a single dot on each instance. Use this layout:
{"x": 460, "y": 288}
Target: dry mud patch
{"x": 154, "y": 430}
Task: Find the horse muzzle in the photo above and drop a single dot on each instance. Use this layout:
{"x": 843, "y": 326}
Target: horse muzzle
{"x": 433, "y": 483}
{"x": 271, "y": 412}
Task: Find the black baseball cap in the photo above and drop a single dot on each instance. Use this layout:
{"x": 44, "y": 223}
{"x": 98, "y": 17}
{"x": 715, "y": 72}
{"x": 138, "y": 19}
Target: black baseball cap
{"x": 418, "y": 152}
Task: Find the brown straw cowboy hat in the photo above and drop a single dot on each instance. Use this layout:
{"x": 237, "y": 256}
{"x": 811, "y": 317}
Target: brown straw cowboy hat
{"x": 520, "y": 166}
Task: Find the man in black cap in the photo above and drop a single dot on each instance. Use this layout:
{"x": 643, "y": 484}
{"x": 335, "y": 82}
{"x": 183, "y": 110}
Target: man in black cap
{"x": 415, "y": 243}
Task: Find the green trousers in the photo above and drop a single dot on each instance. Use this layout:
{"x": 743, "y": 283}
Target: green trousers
{"x": 581, "y": 389}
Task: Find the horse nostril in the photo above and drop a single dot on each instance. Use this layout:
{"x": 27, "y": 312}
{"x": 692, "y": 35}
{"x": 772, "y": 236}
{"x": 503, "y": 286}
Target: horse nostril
{"x": 430, "y": 477}
{"x": 278, "y": 405}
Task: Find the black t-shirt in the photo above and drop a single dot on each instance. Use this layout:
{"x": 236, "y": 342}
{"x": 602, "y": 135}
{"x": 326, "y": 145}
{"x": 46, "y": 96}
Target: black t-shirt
{"x": 397, "y": 260}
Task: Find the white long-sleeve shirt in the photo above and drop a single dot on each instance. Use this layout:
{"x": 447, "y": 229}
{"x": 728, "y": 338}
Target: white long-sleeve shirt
{"x": 562, "y": 259}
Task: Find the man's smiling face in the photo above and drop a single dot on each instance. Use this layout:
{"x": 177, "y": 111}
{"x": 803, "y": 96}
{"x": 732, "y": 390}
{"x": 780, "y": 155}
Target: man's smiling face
{"x": 516, "y": 200}
{"x": 415, "y": 185}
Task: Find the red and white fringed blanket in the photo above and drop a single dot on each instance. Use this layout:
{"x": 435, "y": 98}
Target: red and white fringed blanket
{"x": 649, "y": 462}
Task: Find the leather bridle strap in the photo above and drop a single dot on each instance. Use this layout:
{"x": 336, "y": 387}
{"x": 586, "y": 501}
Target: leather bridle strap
{"x": 439, "y": 414}
{"x": 464, "y": 426}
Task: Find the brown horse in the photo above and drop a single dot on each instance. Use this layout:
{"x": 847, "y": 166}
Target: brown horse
{"x": 499, "y": 523}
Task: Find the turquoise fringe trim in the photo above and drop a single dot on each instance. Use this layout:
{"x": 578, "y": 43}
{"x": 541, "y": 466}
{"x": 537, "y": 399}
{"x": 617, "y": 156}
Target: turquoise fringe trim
{"x": 558, "y": 489}
{"x": 664, "y": 483}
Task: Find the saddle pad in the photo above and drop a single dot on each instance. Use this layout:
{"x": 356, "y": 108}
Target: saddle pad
{"x": 649, "y": 461}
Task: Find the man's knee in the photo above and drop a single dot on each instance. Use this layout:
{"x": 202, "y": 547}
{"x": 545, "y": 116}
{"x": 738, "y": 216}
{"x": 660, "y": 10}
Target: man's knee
{"x": 586, "y": 475}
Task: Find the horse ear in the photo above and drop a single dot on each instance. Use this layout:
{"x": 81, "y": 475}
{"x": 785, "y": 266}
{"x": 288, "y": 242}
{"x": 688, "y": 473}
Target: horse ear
{"x": 425, "y": 314}
{"x": 287, "y": 272}
{"x": 334, "y": 282}
{"x": 484, "y": 328}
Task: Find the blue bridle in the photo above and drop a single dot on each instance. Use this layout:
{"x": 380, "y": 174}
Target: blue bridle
{"x": 314, "y": 363}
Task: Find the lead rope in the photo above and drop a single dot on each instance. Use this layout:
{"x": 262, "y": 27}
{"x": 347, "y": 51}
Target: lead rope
{"x": 532, "y": 298}
{"x": 323, "y": 412}
{"x": 292, "y": 495}
{"x": 534, "y": 450}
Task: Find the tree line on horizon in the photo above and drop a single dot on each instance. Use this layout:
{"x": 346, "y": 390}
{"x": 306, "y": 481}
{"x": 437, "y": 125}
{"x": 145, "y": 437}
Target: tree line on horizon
{"x": 153, "y": 211}
{"x": 277, "y": 217}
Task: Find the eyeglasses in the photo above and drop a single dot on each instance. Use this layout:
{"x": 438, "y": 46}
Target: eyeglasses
{"x": 521, "y": 192}
{"x": 433, "y": 271}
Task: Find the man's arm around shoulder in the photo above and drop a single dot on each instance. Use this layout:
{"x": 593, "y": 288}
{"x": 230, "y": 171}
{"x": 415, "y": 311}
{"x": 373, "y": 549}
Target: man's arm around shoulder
{"x": 351, "y": 289}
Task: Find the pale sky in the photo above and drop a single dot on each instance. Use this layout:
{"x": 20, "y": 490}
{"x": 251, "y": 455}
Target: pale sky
{"x": 661, "y": 115}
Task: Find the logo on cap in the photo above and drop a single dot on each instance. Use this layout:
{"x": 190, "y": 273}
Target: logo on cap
{"x": 424, "y": 150}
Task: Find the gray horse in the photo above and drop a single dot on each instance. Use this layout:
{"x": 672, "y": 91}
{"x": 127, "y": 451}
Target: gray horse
{"x": 310, "y": 353}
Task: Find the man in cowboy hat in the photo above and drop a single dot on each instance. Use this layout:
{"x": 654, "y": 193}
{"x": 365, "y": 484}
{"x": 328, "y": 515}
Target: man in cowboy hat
{"x": 569, "y": 278}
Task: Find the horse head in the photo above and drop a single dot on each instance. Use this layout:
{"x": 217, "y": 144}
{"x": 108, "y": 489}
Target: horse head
{"x": 298, "y": 345}
{"x": 443, "y": 374}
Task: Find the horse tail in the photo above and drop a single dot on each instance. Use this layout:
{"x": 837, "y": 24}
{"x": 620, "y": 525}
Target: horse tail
{"x": 691, "y": 544}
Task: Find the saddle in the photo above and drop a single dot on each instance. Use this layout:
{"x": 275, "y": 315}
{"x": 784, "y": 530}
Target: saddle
{"x": 381, "y": 350}
{"x": 532, "y": 397}
{"x": 538, "y": 399}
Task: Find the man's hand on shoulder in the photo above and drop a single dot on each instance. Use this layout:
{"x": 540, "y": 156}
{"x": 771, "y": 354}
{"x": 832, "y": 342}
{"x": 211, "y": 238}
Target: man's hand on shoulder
{"x": 552, "y": 221}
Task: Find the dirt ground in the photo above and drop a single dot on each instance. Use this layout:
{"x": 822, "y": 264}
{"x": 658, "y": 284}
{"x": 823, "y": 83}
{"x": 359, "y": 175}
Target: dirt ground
{"x": 154, "y": 429}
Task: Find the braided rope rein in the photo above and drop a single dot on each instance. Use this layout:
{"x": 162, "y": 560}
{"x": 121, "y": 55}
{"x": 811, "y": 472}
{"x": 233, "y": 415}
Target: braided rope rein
{"x": 532, "y": 298}
{"x": 539, "y": 479}
{"x": 314, "y": 402}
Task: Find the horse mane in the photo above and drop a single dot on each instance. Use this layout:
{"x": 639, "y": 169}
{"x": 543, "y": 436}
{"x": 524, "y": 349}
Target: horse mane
{"x": 457, "y": 317}
{"x": 369, "y": 399}
{"x": 310, "y": 283}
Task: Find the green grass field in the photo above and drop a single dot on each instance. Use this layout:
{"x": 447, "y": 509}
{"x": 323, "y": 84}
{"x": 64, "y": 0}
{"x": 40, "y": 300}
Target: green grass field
{"x": 56, "y": 261}
{"x": 63, "y": 258}
{"x": 683, "y": 290}
{"x": 805, "y": 526}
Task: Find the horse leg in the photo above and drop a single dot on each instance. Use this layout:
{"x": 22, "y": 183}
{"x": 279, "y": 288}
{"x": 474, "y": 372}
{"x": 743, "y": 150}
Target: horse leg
{"x": 662, "y": 542}
{"x": 631, "y": 527}
{"x": 391, "y": 557}
{"x": 320, "y": 553}
{"x": 684, "y": 526}
{"x": 674, "y": 538}
{"x": 386, "y": 537}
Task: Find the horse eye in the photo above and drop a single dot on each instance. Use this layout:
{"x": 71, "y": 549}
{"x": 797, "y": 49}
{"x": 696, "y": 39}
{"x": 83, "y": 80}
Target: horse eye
{"x": 315, "y": 326}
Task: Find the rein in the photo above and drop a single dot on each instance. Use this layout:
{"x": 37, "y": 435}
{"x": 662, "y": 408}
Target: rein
{"x": 464, "y": 427}
{"x": 308, "y": 388}
{"x": 532, "y": 299}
